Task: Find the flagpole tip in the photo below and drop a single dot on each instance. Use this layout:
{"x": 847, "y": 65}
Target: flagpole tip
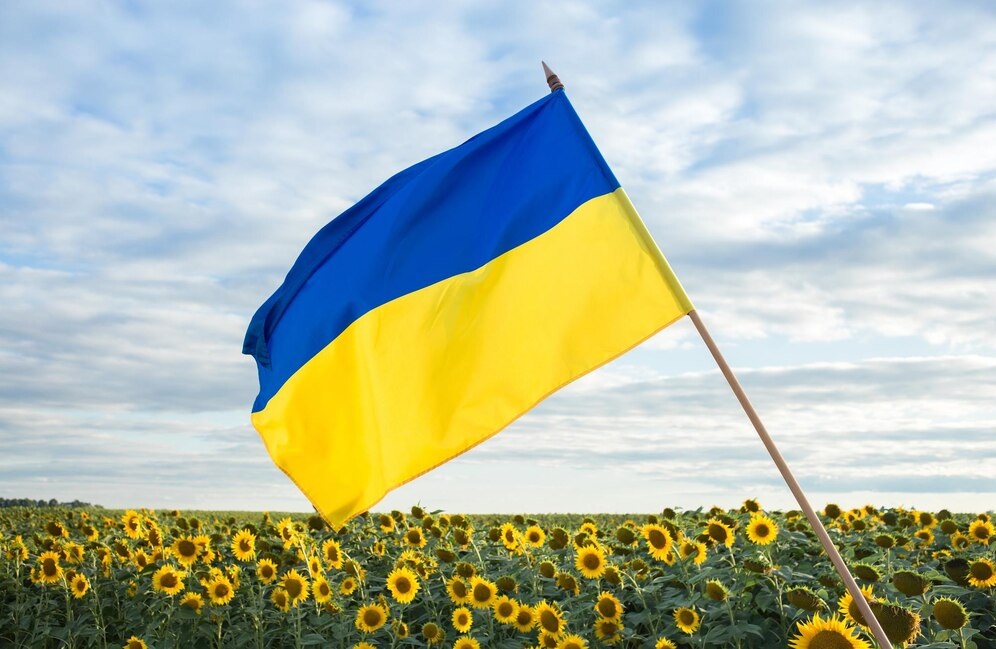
{"x": 552, "y": 79}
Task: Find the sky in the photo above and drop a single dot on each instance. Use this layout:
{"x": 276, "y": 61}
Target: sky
{"x": 821, "y": 177}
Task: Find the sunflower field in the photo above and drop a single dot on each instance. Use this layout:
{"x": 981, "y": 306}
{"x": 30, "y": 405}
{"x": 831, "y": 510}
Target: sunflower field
{"x": 747, "y": 578}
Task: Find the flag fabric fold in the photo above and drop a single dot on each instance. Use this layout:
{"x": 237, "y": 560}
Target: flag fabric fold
{"x": 448, "y": 302}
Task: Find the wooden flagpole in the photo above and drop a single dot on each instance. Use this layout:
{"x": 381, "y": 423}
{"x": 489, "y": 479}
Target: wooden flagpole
{"x": 814, "y": 520}
{"x": 555, "y": 84}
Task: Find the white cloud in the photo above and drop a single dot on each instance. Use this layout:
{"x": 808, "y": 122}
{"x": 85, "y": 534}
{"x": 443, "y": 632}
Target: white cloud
{"x": 816, "y": 174}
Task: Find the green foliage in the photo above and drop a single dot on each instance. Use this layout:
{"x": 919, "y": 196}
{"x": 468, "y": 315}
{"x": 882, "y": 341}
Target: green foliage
{"x": 745, "y": 595}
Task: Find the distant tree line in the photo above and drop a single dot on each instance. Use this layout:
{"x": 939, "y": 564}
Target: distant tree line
{"x": 31, "y": 502}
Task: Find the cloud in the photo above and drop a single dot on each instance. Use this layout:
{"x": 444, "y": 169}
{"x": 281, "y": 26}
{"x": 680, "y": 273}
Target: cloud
{"x": 816, "y": 174}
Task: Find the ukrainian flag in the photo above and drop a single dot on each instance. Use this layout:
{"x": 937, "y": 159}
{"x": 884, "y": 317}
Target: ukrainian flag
{"x": 448, "y": 302}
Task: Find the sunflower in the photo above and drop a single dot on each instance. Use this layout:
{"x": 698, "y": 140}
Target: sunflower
{"x": 982, "y": 573}
{"x": 589, "y": 528}
{"x": 266, "y": 570}
{"x": 716, "y": 591}
{"x": 466, "y": 642}
{"x": 804, "y": 598}
{"x": 534, "y": 536}
{"x": 140, "y": 559}
{"x": 79, "y": 585}
{"x": 193, "y": 601}
{"x": 348, "y": 586}
{"x": 244, "y": 546}
{"x": 132, "y": 521}
{"x": 550, "y": 618}
{"x": 296, "y": 586}
{"x": 462, "y": 619}
{"x": 608, "y": 606}
{"x": 832, "y": 633}
{"x": 135, "y": 642}
{"x": 525, "y": 618}
{"x": 505, "y": 609}
{"x": 332, "y": 553}
{"x": 687, "y": 619}
{"x": 659, "y": 541}
{"x": 959, "y": 541}
{"x": 719, "y": 532}
{"x": 403, "y": 585}
{"x": 925, "y": 535}
{"x": 762, "y": 530}
{"x": 73, "y": 552}
{"x": 220, "y": 590}
{"x": 509, "y": 536}
{"x": 386, "y": 523}
{"x": 981, "y": 531}
{"x": 458, "y": 590}
{"x": 547, "y": 640}
{"x": 849, "y": 609}
{"x": 590, "y": 562}
{"x": 567, "y": 582}
{"x": 910, "y": 583}
{"x": 167, "y": 580}
{"x": 321, "y": 590}
{"x": 608, "y": 630}
{"x": 50, "y": 571}
{"x": 572, "y": 642}
{"x": 363, "y": 645}
{"x": 695, "y": 550}
{"x": 432, "y": 633}
{"x": 400, "y": 629}
{"x": 751, "y": 506}
{"x": 280, "y": 599}
{"x": 414, "y": 537}
{"x": 950, "y": 613}
{"x": 482, "y": 592}
{"x": 370, "y": 617}
{"x": 901, "y": 625}
{"x": 664, "y": 643}
{"x": 186, "y": 550}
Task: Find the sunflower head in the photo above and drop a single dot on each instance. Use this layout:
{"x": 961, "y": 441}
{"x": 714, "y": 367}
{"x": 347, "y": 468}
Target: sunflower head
{"x": 572, "y": 642}
{"x": 716, "y": 591}
{"x": 866, "y": 572}
{"x": 403, "y": 585}
{"x": 370, "y": 617}
{"x": 625, "y": 535}
{"x": 981, "y": 531}
{"x": 950, "y": 613}
{"x": 296, "y": 586}
{"x": 505, "y": 609}
{"x": 432, "y": 633}
{"x": 590, "y": 562}
{"x": 79, "y": 586}
{"x": 549, "y": 618}
{"x": 280, "y": 599}
{"x": 832, "y": 633}
{"x": 982, "y": 573}
{"x": 482, "y": 592}
{"x": 719, "y": 532}
{"x": 804, "y": 598}
{"x": 900, "y": 624}
{"x": 608, "y": 605}
{"x": 686, "y": 619}
{"x": 910, "y": 583}
{"x": 220, "y": 590}
{"x": 761, "y": 530}
{"x": 885, "y": 541}
{"x": 462, "y": 619}
{"x": 608, "y": 630}
{"x": 525, "y": 618}
{"x": 957, "y": 570}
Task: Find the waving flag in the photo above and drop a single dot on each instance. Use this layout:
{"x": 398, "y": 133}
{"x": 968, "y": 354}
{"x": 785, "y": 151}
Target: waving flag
{"x": 448, "y": 302}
